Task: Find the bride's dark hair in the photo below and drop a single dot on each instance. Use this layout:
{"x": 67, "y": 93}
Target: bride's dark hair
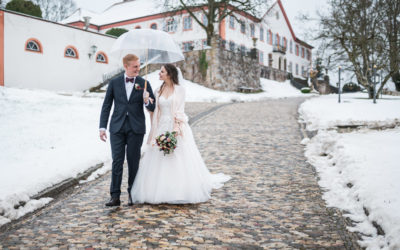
{"x": 172, "y": 72}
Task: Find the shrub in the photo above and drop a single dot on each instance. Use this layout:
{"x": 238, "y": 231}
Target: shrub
{"x": 305, "y": 90}
{"x": 351, "y": 87}
{"x": 26, "y": 7}
{"x": 116, "y": 32}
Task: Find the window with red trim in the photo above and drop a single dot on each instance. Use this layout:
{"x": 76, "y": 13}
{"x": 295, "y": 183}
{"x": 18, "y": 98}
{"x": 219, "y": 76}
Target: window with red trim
{"x": 71, "y": 52}
{"x": 270, "y": 37}
{"x": 187, "y": 23}
{"x": 33, "y": 45}
{"x": 101, "y": 57}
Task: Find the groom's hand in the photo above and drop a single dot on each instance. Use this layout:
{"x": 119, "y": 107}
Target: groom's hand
{"x": 103, "y": 135}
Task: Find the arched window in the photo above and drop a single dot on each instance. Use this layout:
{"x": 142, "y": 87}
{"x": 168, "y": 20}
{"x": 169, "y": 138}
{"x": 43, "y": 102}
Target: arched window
{"x": 33, "y": 45}
{"x": 153, "y": 26}
{"x": 101, "y": 57}
{"x": 71, "y": 52}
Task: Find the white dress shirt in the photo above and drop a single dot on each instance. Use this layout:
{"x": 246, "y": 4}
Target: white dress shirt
{"x": 129, "y": 86}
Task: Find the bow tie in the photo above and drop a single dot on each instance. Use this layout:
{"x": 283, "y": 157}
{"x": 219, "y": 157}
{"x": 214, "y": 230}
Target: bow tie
{"x": 129, "y": 79}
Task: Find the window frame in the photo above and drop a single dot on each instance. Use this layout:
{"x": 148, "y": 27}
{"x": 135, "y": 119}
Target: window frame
{"x": 189, "y": 43}
{"x": 155, "y": 25}
{"x": 104, "y": 55}
{"x": 190, "y": 23}
{"x": 70, "y": 47}
{"x": 242, "y": 27}
{"x": 262, "y": 34}
{"x": 37, "y": 43}
{"x": 252, "y": 30}
{"x": 231, "y": 22}
{"x": 171, "y": 22}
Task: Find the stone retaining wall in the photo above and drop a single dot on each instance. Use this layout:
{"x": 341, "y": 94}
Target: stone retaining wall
{"x": 226, "y": 70}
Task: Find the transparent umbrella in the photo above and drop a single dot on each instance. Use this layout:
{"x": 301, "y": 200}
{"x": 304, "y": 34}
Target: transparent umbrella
{"x": 151, "y": 46}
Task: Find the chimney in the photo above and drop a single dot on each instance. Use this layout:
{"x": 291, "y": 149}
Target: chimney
{"x": 87, "y": 22}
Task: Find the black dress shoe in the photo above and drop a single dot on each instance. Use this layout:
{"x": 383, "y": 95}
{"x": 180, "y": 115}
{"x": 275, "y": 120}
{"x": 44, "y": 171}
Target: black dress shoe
{"x": 130, "y": 203}
{"x": 113, "y": 202}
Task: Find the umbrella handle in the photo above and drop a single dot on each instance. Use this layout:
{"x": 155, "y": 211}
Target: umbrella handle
{"x": 145, "y": 82}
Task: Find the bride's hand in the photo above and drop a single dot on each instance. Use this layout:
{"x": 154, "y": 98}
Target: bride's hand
{"x": 146, "y": 96}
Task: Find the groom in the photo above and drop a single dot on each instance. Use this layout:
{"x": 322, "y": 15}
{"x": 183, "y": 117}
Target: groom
{"x": 127, "y": 126}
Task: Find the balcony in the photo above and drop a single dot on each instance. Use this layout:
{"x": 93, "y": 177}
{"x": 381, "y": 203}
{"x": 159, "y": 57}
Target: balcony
{"x": 279, "y": 49}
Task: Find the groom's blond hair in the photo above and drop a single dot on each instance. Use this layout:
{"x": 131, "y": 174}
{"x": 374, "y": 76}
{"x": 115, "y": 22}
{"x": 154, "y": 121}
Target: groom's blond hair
{"x": 129, "y": 58}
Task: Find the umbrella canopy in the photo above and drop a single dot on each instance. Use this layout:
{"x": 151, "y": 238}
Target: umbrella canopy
{"x": 155, "y": 46}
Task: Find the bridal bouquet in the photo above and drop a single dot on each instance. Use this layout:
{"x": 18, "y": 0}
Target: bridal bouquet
{"x": 167, "y": 142}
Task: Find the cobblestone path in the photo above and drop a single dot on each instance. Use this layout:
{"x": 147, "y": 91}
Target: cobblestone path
{"x": 272, "y": 201}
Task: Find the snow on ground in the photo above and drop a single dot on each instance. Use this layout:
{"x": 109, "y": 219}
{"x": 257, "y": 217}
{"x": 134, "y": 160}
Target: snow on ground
{"x": 359, "y": 169}
{"x": 45, "y": 139}
{"x": 325, "y": 111}
{"x": 48, "y": 137}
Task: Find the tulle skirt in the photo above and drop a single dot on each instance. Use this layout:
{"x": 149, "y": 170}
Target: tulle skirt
{"x": 177, "y": 178}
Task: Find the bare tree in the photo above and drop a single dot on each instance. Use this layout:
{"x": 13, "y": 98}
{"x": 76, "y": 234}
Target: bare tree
{"x": 354, "y": 32}
{"x": 391, "y": 21}
{"x": 214, "y": 10}
{"x": 56, "y": 10}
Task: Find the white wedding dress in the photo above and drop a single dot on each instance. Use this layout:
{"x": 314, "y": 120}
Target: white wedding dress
{"x": 176, "y": 178}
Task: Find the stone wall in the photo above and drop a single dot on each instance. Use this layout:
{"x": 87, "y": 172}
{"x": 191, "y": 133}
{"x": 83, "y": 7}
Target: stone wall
{"x": 226, "y": 70}
{"x": 273, "y": 74}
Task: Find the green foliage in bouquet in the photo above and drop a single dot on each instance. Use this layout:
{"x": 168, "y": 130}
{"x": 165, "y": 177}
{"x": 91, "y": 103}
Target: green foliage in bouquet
{"x": 305, "y": 90}
{"x": 167, "y": 142}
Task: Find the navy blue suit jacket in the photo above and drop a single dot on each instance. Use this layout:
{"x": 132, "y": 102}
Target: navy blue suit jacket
{"x": 116, "y": 93}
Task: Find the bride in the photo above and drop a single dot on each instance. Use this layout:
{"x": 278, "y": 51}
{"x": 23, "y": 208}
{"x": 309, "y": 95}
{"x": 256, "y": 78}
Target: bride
{"x": 179, "y": 177}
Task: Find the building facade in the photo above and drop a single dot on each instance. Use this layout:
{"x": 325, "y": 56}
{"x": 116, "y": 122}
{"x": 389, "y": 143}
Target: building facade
{"x": 39, "y": 54}
{"x": 278, "y": 46}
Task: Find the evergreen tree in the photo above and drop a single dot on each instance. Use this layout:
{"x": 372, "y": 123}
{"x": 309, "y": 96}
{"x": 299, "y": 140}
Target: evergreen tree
{"x": 116, "y": 32}
{"x": 26, "y": 7}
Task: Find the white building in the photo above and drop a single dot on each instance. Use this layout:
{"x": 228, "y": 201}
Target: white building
{"x": 35, "y": 53}
{"x": 278, "y": 45}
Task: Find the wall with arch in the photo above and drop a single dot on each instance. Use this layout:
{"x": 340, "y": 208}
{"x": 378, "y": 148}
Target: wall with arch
{"x": 50, "y": 68}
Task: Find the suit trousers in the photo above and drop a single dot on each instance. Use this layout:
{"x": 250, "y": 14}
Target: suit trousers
{"x": 124, "y": 140}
